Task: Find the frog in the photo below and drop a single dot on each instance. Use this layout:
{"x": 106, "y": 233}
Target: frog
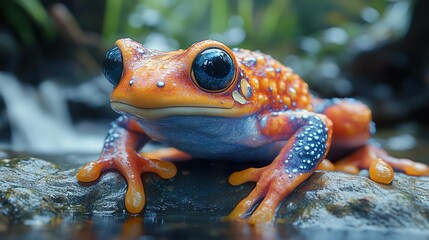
{"x": 212, "y": 102}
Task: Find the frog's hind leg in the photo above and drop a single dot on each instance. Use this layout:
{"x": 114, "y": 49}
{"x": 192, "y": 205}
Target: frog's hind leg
{"x": 352, "y": 128}
{"x": 363, "y": 157}
{"x": 352, "y": 125}
{"x": 308, "y": 138}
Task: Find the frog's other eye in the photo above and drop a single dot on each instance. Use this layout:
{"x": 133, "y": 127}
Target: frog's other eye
{"x": 213, "y": 70}
{"x": 113, "y": 66}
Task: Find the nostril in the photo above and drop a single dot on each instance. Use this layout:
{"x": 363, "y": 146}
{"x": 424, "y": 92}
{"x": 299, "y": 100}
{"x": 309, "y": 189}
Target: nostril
{"x": 113, "y": 65}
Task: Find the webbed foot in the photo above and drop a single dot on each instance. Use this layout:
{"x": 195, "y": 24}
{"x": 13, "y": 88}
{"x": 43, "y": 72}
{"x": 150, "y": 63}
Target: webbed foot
{"x": 273, "y": 185}
{"x": 131, "y": 168}
{"x": 370, "y": 155}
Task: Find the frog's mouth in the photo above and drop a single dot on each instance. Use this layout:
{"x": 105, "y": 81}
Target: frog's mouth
{"x": 158, "y": 113}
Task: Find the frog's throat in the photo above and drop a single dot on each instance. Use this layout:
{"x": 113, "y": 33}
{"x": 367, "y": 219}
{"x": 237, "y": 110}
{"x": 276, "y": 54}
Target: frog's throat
{"x": 158, "y": 113}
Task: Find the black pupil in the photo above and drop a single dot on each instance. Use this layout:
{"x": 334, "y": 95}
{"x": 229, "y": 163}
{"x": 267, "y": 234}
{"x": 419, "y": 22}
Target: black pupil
{"x": 213, "y": 69}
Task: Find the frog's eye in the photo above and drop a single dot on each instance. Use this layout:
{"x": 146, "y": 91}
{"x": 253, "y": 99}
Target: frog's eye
{"x": 213, "y": 70}
{"x": 113, "y": 66}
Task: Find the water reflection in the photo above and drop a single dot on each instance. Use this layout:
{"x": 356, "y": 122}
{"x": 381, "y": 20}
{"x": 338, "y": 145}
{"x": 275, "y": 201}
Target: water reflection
{"x": 139, "y": 227}
{"x": 242, "y": 230}
{"x": 132, "y": 228}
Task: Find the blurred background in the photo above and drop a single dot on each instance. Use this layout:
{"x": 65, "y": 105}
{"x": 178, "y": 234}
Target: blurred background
{"x": 54, "y": 99}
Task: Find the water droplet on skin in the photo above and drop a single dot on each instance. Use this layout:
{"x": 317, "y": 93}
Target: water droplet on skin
{"x": 264, "y": 121}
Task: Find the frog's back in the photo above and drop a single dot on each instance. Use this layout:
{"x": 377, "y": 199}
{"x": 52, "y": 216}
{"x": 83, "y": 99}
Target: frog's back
{"x": 274, "y": 86}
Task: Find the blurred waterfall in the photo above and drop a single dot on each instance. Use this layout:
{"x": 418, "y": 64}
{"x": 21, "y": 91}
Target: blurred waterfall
{"x": 40, "y": 121}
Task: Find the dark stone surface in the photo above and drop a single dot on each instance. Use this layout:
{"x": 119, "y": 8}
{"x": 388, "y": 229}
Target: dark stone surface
{"x": 21, "y": 198}
{"x": 340, "y": 200}
{"x": 38, "y": 191}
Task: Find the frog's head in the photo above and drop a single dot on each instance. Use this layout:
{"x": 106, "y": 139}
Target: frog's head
{"x": 202, "y": 80}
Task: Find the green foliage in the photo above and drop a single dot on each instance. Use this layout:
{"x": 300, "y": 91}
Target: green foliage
{"x": 24, "y": 13}
{"x": 262, "y": 22}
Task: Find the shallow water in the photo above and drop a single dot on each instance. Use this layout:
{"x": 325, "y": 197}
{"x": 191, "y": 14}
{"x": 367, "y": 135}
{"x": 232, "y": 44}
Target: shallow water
{"x": 135, "y": 227}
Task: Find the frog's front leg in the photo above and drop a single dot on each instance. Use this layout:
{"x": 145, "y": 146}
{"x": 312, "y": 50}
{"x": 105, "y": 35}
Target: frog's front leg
{"x": 120, "y": 151}
{"x": 308, "y": 138}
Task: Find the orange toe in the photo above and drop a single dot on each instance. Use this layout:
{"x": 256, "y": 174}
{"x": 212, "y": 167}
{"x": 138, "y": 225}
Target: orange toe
{"x": 135, "y": 198}
{"x": 263, "y": 216}
{"x": 165, "y": 170}
{"x": 326, "y": 165}
{"x": 381, "y": 172}
{"x": 90, "y": 172}
{"x": 417, "y": 169}
{"x": 248, "y": 175}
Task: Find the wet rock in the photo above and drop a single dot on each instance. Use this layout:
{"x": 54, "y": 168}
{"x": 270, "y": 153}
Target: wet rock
{"x": 340, "y": 200}
{"x": 32, "y": 189}
{"x": 19, "y": 201}
{"x": 35, "y": 189}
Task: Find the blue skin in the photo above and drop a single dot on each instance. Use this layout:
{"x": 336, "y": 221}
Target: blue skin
{"x": 240, "y": 139}
{"x": 212, "y": 137}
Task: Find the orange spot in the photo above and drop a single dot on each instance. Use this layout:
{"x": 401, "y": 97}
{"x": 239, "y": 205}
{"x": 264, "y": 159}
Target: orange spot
{"x": 282, "y": 86}
{"x": 255, "y": 83}
{"x": 292, "y": 93}
{"x": 270, "y": 72}
{"x": 287, "y": 74}
{"x": 298, "y": 83}
{"x": 304, "y": 90}
{"x": 286, "y": 101}
{"x": 381, "y": 172}
{"x": 304, "y": 100}
{"x": 260, "y": 60}
{"x": 265, "y": 83}
{"x": 273, "y": 87}
{"x": 261, "y": 98}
